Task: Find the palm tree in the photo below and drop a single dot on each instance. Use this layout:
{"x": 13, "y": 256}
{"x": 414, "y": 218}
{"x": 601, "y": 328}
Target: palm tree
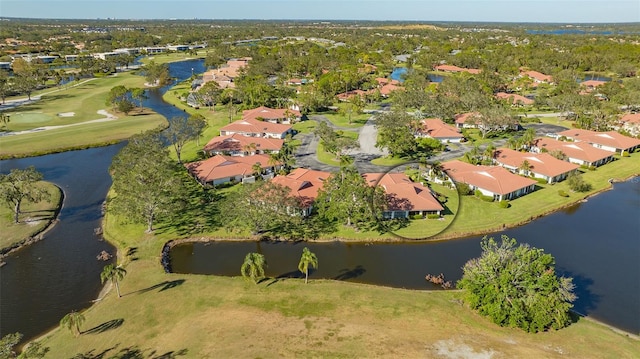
{"x": 488, "y": 153}
{"x": 73, "y": 321}
{"x": 525, "y": 167}
{"x": 308, "y": 259}
{"x": 114, "y": 274}
{"x": 528, "y": 137}
{"x": 257, "y": 169}
{"x": 253, "y": 267}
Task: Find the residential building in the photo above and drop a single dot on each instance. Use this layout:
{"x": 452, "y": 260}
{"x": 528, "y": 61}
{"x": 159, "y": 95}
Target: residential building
{"x": 405, "y": 198}
{"x": 492, "y": 181}
{"x": 280, "y": 115}
{"x": 256, "y": 128}
{"x": 537, "y": 77}
{"x": 515, "y": 99}
{"x": 304, "y": 185}
{"x": 452, "y": 68}
{"x": 467, "y": 120}
{"x": 580, "y": 153}
{"x": 224, "y": 169}
{"x": 609, "y": 141}
{"x": 630, "y": 122}
{"x": 538, "y": 165}
{"x": 240, "y": 145}
{"x": 437, "y": 129}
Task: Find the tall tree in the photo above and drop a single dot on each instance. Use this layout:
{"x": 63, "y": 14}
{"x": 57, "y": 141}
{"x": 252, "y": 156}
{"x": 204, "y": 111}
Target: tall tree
{"x": 308, "y": 259}
{"x": 139, "y": 95}
{"x": 494, "y": 119}
{"x": 145, "y": 180}
{"x": 210, "y": 93}
{"x": 516, "y": 286}
{"x": 395, "y": 133}
{"x": 253, "y": 267}
{"x": 73, "y": 321}
{"x": 183, "y": 129}
{"x": 5, "y": 85}
{"x": 19, "y": 186}
{"x": 114, "y": 274}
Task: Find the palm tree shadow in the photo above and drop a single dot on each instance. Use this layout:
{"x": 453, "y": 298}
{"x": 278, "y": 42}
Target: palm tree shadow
{"x": 112, "y": 324}
{"x": 346, "y": 274}
{"x": 293, "y": 274}
{"x": 164, "y": 286}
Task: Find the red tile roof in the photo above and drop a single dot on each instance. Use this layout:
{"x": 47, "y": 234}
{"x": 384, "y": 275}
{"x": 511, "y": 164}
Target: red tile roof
{"x": 631, "y": 118}
{"x": 304, "y": 184}
{"x": 542, "y": 163}
{"x": 404, "y": 194}
{"x": 537, "y": 76}
{"x": 238, "y": 142}
{"x": 491, "y": 178}
{"x": 592, "y": 83}
{"x": 436, "y": 128}
{"x": 218, "y": 167}
{"x": 255, "y": 127}
{"x": 464, "y": 117}
{"x": 268, "y": 114}
{"x": 610, "y": 139}
{"x": 577, "y": 150}
{"x": 514, "y": 98}
{"x": 387, "y": 89}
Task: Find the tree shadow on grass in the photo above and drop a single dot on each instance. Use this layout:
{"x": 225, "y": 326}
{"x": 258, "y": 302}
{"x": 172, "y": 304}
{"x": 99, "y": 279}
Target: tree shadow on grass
{"x": 132, "y": 352}
{"x": 163, "y": 286}
{"x": 293, "y": 274}
{"x": 346, "y": 273}
{"x": 112, "y": 324}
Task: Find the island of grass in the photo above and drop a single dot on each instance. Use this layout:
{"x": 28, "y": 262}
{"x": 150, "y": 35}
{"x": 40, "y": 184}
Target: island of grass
{"x": 33, "y": 219}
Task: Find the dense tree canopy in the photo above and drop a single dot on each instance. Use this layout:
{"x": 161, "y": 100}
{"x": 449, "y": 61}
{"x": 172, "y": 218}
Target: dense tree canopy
{"x": 517, "y": 286}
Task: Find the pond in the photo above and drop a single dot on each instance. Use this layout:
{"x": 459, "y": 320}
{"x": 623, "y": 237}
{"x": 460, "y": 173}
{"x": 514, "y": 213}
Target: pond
{"x": 398, "y": 72}
{"x": 597, "y": 243}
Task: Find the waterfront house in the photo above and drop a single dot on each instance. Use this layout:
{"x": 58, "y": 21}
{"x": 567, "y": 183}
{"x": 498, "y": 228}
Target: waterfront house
{"x": 404, "y": 197}
{"x": 304, "y": 185}
{"x": 537, "y": 165}
{"x": 609, "y": 141}
{"x": 493, "y": 181}
{"x": 240, "y": 145}
{"x": 580, "y": 153}
{"x": 256, "y": 128}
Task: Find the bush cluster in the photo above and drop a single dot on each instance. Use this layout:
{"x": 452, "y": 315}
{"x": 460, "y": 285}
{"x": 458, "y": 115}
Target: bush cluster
{"x": 433, "y": 216}
{"x": 563, "y": 193}
{"x": 504, "y": 204}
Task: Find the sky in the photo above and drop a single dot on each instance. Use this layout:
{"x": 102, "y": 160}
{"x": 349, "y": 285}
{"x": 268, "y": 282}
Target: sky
{"x": 545, "y": 11}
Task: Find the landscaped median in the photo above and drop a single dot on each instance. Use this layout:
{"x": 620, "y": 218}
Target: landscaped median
{"x": 210, "y": 316}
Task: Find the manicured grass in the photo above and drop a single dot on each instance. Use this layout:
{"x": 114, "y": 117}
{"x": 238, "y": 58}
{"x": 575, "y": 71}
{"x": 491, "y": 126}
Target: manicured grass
{"x": 84, "y": 101}
{"x": 33, "y": 219}
{"x": 342, "y": 120}
{"x": 388, "y": 161}
{"x": 76, "y": 137}
{"x": 172, "y": 57}
{"x": 196, "y": 316}
{"x": 305, "y": 126}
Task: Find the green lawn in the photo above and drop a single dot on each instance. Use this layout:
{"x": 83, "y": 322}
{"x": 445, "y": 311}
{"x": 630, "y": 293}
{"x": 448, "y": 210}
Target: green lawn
{"x": 197, "y": 316}
{"x": 388, "y": 161}
{"x": 173, "y": 57}
{"x": 342, "y": 120}
{"x": 33, "y": 219}
{"x": 328, "y": 158}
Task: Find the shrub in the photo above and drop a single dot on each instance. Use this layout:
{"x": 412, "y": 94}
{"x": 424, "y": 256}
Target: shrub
{"x": 625, "y": 154}
{"x": 577, "y": 183}
{"x": 433, "y": 216}
{"x": 417, "y": 216}
{"x": 517, "y": 286}
{"x": 477, "y": 193}
{"x": 504, "y": 204}
{"x": 463, "y": 188}
{"x": 541, "y": 180}
{"x": 563, "y": 193}
{"x": 486, "y": 198}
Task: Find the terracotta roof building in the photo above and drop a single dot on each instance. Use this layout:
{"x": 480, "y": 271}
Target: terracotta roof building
{"x": 609, "y": 141}
{"x": 537, "y": 77}
{"x": 541, "y": 165}
{"x": 223, "y": 169}
{"x": 631, "y": 122}
{"x": 304, "y": 185}
{"x": 256, "y": 128}
{"x": 436, "y": 128}
{"x": 467, "y": 120}
{"x": 240, "y": 145}
{"x": 279, "y": 115}
{"x": 492, "y": 181}
{"x": 405, "y": 198}
{"x": 514, "y": 99}
{"x": 580, "y": 153}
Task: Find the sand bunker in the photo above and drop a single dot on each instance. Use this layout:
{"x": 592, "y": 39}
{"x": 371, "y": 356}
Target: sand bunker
{"x": 67, "y": 114}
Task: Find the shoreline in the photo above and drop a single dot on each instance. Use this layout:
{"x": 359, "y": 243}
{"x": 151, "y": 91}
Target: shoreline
{"x": 37, "y": 236}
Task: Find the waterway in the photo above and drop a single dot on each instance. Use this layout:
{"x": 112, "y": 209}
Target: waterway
{"x": 597, "y": 243}
{"x": 43, "y": 282}
{"x": 398, "y": 72}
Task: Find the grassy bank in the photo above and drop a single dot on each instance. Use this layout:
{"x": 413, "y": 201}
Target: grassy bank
{"x": 35, "y": 217}
{"x": 194, "y": 316}
{"x": 76, "y": 108}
